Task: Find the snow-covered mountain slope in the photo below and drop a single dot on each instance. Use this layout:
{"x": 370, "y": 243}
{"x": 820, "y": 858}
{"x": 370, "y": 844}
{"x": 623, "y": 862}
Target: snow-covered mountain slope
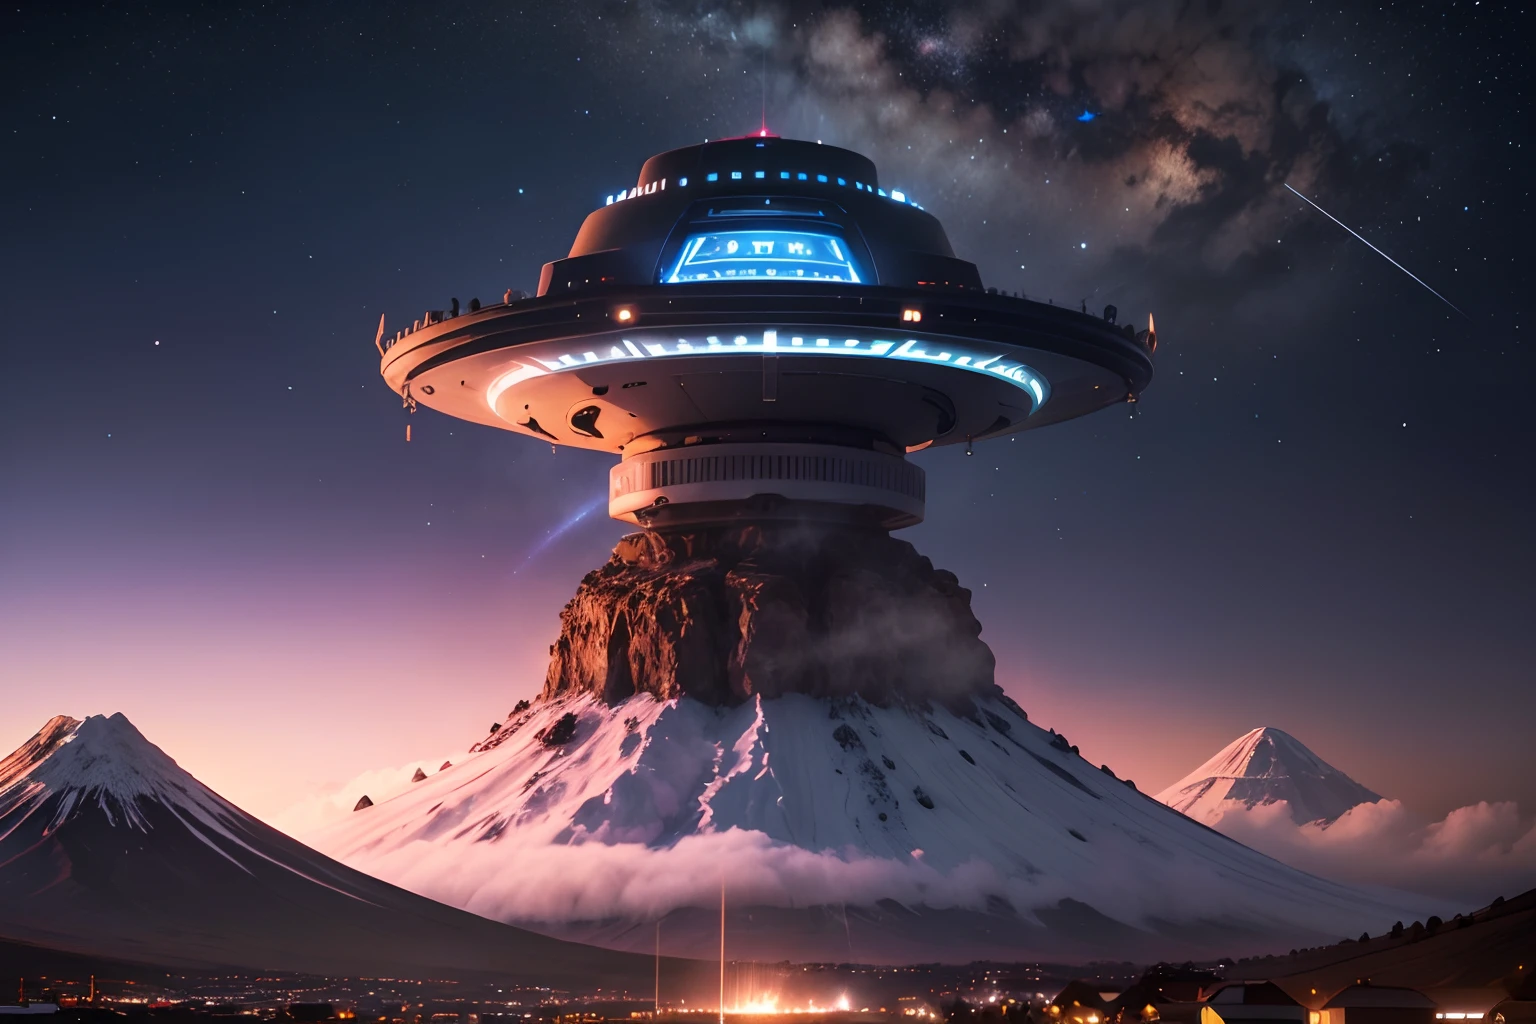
{"x": 1266, "y": 766}
{"x": 107, "y": 847}
{"x": 840, "y": 830}
{"x": 105, "y": 765}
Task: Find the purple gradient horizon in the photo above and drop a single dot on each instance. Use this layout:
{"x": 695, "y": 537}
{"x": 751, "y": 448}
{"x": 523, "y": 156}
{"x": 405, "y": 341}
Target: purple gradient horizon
{"x": 270, "y": 678}
{"x": 1318, "y": 519}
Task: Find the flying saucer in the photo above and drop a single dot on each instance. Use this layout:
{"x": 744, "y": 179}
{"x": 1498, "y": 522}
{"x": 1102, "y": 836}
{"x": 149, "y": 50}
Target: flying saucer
{"x": 759, "y": 328}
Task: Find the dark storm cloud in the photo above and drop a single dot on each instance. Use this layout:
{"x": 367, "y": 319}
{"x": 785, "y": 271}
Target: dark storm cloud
{"x": 1200, "y": 116}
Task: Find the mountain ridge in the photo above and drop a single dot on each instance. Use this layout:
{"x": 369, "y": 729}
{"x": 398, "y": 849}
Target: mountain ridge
{"x": 108, "y": 847}
{"x": 895, "y": 833}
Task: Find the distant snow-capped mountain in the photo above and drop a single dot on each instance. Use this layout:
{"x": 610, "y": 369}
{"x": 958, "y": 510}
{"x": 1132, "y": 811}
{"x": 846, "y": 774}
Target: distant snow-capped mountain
{"x": 1266, "y": 766}
{"x": 109, "y": 848}
{"x": 839, "y": 829}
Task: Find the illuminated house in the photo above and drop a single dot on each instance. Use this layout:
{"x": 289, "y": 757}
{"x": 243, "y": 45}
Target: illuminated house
{"x": 1078, "y": 1003}
{"x": 760, "y": 328}
{"x": 1377, "y": 1004}
{"x": 1164, "y": 994}
{"x": 1241, "y": 1002}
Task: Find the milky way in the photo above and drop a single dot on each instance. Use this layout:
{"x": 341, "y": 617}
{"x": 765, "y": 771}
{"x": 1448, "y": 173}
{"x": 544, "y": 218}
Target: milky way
{"x": 1199, "y": 114}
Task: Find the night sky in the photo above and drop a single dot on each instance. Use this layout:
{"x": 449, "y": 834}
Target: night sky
{"x": 1320, "y": 517}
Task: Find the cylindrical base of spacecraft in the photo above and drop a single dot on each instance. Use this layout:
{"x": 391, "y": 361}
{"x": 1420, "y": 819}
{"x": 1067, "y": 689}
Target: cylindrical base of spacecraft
{"x": 720, "y": 483}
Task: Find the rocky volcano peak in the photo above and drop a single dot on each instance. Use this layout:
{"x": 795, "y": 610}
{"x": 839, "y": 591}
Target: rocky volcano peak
{"x": 813, "y": 706}
{"x": 1266, "y": 766}
{"x": 728, "y": 613}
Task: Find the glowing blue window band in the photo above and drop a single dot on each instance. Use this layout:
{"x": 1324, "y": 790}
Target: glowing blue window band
{"x": 647, "y": 189}
{"x": 733, "y": 255}
{"x": 551, "y": 360}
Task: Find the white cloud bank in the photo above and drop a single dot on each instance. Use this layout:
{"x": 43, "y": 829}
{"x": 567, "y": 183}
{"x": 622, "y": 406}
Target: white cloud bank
{"x": 588, "y": 881}
{"x": 1472, "y": 855}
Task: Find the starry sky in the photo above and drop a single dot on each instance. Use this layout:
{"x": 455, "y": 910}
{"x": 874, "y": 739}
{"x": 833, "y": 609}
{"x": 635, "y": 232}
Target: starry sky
{"x": 1319, "y": 517}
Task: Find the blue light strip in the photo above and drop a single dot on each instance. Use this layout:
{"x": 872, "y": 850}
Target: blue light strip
{"x": 896, "y": 195}
{"x": 549, "y": 358}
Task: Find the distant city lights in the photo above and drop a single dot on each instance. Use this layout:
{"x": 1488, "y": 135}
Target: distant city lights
{"x": 768, "y": 1004}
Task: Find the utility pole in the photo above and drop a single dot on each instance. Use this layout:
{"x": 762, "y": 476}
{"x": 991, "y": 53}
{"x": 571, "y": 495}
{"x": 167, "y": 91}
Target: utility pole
{"x": 722, "y": 950}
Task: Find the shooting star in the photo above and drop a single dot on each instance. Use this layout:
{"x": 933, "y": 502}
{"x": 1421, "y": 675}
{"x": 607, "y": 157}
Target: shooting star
{"x": 1377, "y": 251}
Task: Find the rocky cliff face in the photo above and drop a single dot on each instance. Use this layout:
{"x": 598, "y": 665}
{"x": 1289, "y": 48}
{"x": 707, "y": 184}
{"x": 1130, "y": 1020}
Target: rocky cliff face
{"x": 724, "y": 614}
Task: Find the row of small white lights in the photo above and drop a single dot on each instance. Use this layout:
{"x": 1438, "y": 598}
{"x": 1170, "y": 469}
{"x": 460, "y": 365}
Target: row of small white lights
{"x": 654, "y": 186}
{"x": 910, "y": 350}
